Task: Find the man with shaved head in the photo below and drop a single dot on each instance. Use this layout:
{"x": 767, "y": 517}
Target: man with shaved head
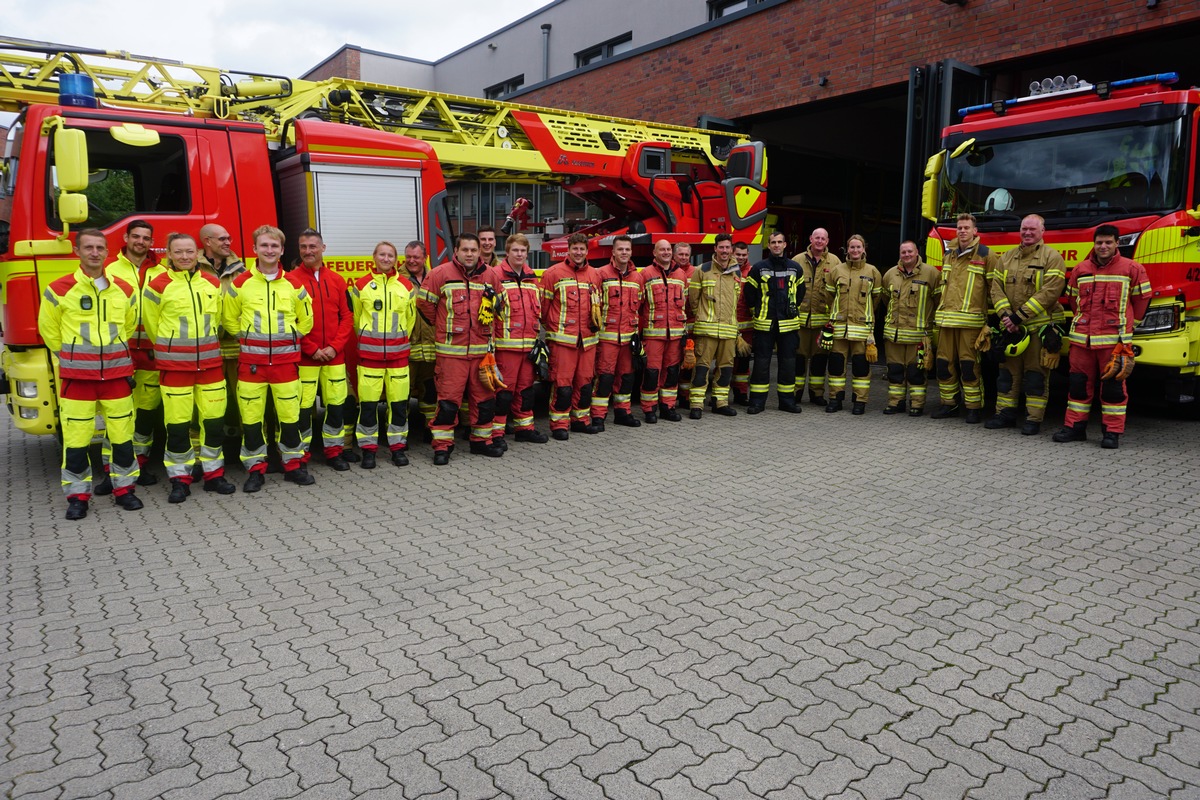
{"x": 811, "y": 360}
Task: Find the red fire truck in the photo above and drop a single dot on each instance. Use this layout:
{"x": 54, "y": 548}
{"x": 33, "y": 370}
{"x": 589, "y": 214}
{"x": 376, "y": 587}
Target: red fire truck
{"x": 101, "y": 138}
{"x": 1083, "y": 155}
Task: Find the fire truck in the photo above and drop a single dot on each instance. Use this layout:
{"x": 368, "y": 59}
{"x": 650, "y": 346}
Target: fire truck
{"x": 1082, "y": 155}
{"x": 103, "y": 137}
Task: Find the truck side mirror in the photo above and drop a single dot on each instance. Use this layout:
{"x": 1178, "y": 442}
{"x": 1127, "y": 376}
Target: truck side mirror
{"x": 72, "y": 208}
{"x": 962, "y": 148}
{"x": 70, "y": 159}
{"x": 929, "y": 189}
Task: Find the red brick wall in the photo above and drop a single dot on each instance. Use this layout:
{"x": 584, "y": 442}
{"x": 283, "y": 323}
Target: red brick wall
{"x": 772, "y": 59}
{"x": 346, "y": 63}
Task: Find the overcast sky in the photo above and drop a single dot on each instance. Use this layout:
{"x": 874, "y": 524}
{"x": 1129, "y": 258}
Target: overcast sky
{"x": 281, "y": 38}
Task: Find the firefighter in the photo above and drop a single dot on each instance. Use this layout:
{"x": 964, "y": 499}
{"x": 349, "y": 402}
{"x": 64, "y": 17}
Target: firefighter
{"x": 323, "y": 349}
{"x": 571, "y": 316}
{"x": 270, "y": 316}
{"x": 664, "y": 329}
{"x": 1109, "y": 295}
{"x": 422, "y": 354}
{"x": 383, "y": 316}
{"x": 621, "y": 287}
{"x": 487, "y": 246}
{"x": 515, "y": 335}
{"x": 458, "y": 297}
{"x": 811, "y": 359}
{"x": 86, "y": 320}
{"x": 960, "y": 319}
{"x": 219, "y": 259}
{"x": 741, "y": 364}
{"x": 910, "y": 289}
{"x": 714, "y": 297}
{"x": 775, "y": 289}
{"x": 136, "y": 265}
{"x": 854, "y": 289}
{"x": 682, "y": 253}
{"x": 181, "y": 312}
{"x": 1025, "y": 290}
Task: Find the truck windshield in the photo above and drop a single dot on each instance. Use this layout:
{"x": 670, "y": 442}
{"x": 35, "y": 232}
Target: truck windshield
{"x": 1069, "y": 175}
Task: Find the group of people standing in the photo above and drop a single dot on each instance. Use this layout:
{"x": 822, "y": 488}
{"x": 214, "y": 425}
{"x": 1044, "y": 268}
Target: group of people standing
{"x": 211, "y": 340}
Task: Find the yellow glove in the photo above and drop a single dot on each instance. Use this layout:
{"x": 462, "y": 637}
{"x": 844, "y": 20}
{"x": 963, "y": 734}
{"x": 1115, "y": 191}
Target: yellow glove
{"x": 597, "y": 322}
{"x": 1049, "y": 359}
{"x": 743, "y": 348}
{"x": 872, "y": 351}
{"x": 927, "y": 354}
{"x": 487, "y": 310}
{"x": 983, "y": 342}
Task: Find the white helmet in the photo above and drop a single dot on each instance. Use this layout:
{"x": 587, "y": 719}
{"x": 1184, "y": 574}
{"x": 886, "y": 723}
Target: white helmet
{"x": 999, "y": 200}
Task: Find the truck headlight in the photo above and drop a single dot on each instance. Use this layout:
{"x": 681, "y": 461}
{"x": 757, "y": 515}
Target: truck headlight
{"x": 27, "y": 389}
{"x": 1128, "y": 243}
{"x": 1157, "y": 320}
{"x": 29, "y": 412}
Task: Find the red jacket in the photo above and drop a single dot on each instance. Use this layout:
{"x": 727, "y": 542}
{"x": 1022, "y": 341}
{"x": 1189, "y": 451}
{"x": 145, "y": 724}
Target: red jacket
{"x": 450, "y": 299}
{"x": 664, "y": 312}
{"x": 517, "y": 322}
{"x": 568, "y": 292}
{"x": 1108, "y": 301}
{"x": 620, "y": 302}
{"x": 333, "y": 324}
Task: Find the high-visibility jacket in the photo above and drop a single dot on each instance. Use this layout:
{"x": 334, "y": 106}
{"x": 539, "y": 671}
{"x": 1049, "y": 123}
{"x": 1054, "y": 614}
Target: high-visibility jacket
{"x": 332, "y": 322}
{"x": 181, "y": 311}
{"x": 814, "y": 309}
{"x": 225, "y": 271}
{"x": 964, "y": 286}
{"x": 87, "y": 327}
{"x": 855, "y": 287}
{"x": 1108, "y": 301}
{"x": 137, "y": 277}
{"x": 520, "y": 314}
{"x": 450, "y": 298}
{"x": 269, "y": 317}
{"x": 1028, "y": 281}
{"x": 911, "y": 300}
{"x": 421, "y": 337}
{"x": 775, "y": 289}
{"x": 384, "y": 313}
{"x": 568, "y": 293}
{"x": 620, "y": 302}
{"x": 664, "y": 306}
{"x": 713, "y": 297}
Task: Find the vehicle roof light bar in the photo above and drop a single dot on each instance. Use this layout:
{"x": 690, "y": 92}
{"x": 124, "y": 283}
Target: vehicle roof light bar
{"x": 1059, "y": 86}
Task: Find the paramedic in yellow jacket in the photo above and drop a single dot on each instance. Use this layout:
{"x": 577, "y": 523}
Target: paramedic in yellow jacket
{"x": 910, "y": 290}
{"x": 181, "y": 312}
{"x": 384, "y": 313}
{"x": 1025, "y": 289}
{"x": 960, "y": 318}
{"x": 86, "y": 319}
{"x": 854, "y": 288}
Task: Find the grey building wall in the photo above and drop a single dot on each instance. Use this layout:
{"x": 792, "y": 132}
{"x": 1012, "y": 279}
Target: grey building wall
{"x": 397, "y": 71}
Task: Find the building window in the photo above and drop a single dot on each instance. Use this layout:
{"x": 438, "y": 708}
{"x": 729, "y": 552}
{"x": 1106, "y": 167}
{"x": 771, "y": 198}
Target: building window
{"x": 613, "y": 47}
{"x": 503, "y": 89}
{"x": 723, "y": 8}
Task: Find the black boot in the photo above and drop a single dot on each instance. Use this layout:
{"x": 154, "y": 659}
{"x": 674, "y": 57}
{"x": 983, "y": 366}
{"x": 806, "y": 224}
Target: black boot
{"x": 1072, "y": 433}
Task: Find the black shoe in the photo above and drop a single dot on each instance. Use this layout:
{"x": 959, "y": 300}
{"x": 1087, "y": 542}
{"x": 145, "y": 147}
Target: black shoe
{"x": 1110, "y": 440}
{"x": 833, "y": 406}
{"x": 76, "y": 508}
{"x": 945, "y": 412}
{"x": 598, "y": 424}
{"x": 626, "y": 419}
{"x": 672, "y": 415}
{"x": 180, "y": 491}
{"x": 489, "y": 449}
{"x": 859, "y": 408}
{"x": 128, "y": 501}
{"x": 999, "y": 421}
{"x": 350, "y": 456}
{"x": 1031, "y": 427}
{"x": 441, "y": 458}
{"x": 889, "y": 410}
{"x": 368, "y": 459}
{"x": 755, "y": 408}
{"x": 974, "y": 416}
{"x": 817, "y": 399}
{"x": 300, "y": 477}
{"x": 254, "y": 482}
{"x": 219, "y": 485}
{"x": 916, "y": 412}
{"x": 578, "y": 426}
{"x": 560, "y": 435}
{"x": 338, "y": 463}
{"x": 790, "y": 408}
{"x": 148, "y": 478}
{"x": 531, "y": 435}
{"x": 725, "y": 411}
{"x": 104, "y": 487}
{"x": 1077, "y": 433}
{"x": 695, "y": 413}
{"x": 399, "y": 458}
{"x": 741, "y": 398}
{"x": 712, "y": 403}
{"x": 500, "y": 440}
{"x": 651, "y": 418}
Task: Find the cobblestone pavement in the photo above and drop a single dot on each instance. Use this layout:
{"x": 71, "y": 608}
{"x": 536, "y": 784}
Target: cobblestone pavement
{"x": 759, "y": 607}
